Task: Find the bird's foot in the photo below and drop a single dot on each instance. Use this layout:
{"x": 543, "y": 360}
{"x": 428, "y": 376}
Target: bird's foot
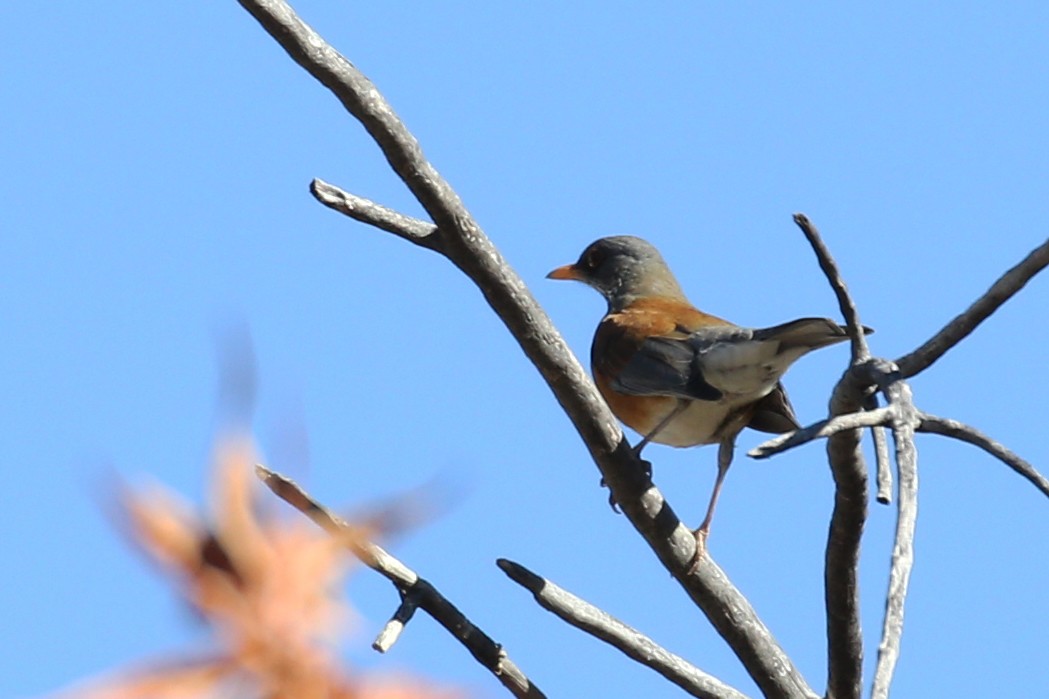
{"x": 645, "y": 464}
{"x": 701, "y": 548}
{"x": 646, "y": 468}
{"x": 611, "y": 498}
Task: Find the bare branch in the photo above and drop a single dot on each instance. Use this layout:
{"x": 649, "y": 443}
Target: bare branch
{"x": 823, "y": 428}
{"x": 955, "y": 331}
{"x": 465, "y": 244}
{"x": 631, "y": 642}
{"x": 841, "y": 589}
{"x": 486, "y": 651}
{"x": 883, "y": 469}
{"x": 899, "y": 395}
{"x": 363, "y": 101}
{"x": 952, "y": 428}
{"x": 728, "y": 610}
{"x": 860, "y": 350}
{"x": 366, "y": 211}
{"x": 844, "y": 633}
{"x": 841, "y": 562}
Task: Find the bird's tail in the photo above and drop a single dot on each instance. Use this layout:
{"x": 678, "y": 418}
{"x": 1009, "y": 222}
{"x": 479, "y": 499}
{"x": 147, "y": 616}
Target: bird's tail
{"x": 808, "y": 333}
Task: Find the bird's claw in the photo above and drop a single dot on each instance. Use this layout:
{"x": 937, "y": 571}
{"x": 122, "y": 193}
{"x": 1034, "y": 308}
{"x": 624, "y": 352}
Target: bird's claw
{"x": 646, "y": 468}
{"x": 611, "y": 498}
{"x": 701, "y": 549}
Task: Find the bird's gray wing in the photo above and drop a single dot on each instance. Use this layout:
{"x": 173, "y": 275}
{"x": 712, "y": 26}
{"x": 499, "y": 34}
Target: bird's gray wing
{"x": 673, "y": 366}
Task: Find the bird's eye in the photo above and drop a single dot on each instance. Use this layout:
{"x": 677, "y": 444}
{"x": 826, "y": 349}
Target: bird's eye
{"x": 592, "y": 260}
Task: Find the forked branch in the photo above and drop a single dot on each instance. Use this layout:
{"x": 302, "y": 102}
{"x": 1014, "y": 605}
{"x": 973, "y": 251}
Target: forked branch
{"x": 455, "y": 234}
{"x": 415, "y": 591}
{"x": 886, "y": 416}
{"x": 462, "y": 241}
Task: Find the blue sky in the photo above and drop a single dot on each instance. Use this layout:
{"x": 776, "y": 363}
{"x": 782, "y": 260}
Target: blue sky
{"x": 156, "y": 162}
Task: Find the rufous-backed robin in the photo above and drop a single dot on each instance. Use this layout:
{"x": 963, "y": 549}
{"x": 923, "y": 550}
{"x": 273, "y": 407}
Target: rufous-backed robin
{"x": 677, "y": 375}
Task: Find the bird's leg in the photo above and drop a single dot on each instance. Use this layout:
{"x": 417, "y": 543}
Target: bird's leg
{"x": 725, "y": 451}
{"x": 682, "y": 404}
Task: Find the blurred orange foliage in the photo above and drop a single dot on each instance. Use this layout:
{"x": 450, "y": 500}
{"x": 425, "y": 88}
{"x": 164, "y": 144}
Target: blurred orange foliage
{"x": 269, "y": 587}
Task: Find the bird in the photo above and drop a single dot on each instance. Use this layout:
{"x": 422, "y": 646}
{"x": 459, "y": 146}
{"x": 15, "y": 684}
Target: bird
{"x": 677, "y": 375}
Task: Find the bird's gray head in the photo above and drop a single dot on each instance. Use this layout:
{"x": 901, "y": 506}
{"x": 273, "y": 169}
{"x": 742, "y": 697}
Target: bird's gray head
{"x": 622, "y": 268}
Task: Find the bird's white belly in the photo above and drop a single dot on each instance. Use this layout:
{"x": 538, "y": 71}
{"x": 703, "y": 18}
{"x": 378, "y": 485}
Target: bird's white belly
{"x": 702, "y": 421}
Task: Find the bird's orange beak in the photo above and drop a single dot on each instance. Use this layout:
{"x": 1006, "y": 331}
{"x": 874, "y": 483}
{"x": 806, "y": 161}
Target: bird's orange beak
{"x": 566, "y": 272}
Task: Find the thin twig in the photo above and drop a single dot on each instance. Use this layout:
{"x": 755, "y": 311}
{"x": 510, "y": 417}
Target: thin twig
{"x": 466, "y": 246}
{"x": 389, "y": 634}
{"x": 823, "y": 428}
{"x": 860, "y": 350}
{"x": 952, "y": 428}
{"x": 367, "y": 211}
{"x": 899, "y": 395}
{"x": 598, "y": 623}
{"x": 486, "y": 651}
{"x": 955, "y": 331}
{"x": 883, "y": 468}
